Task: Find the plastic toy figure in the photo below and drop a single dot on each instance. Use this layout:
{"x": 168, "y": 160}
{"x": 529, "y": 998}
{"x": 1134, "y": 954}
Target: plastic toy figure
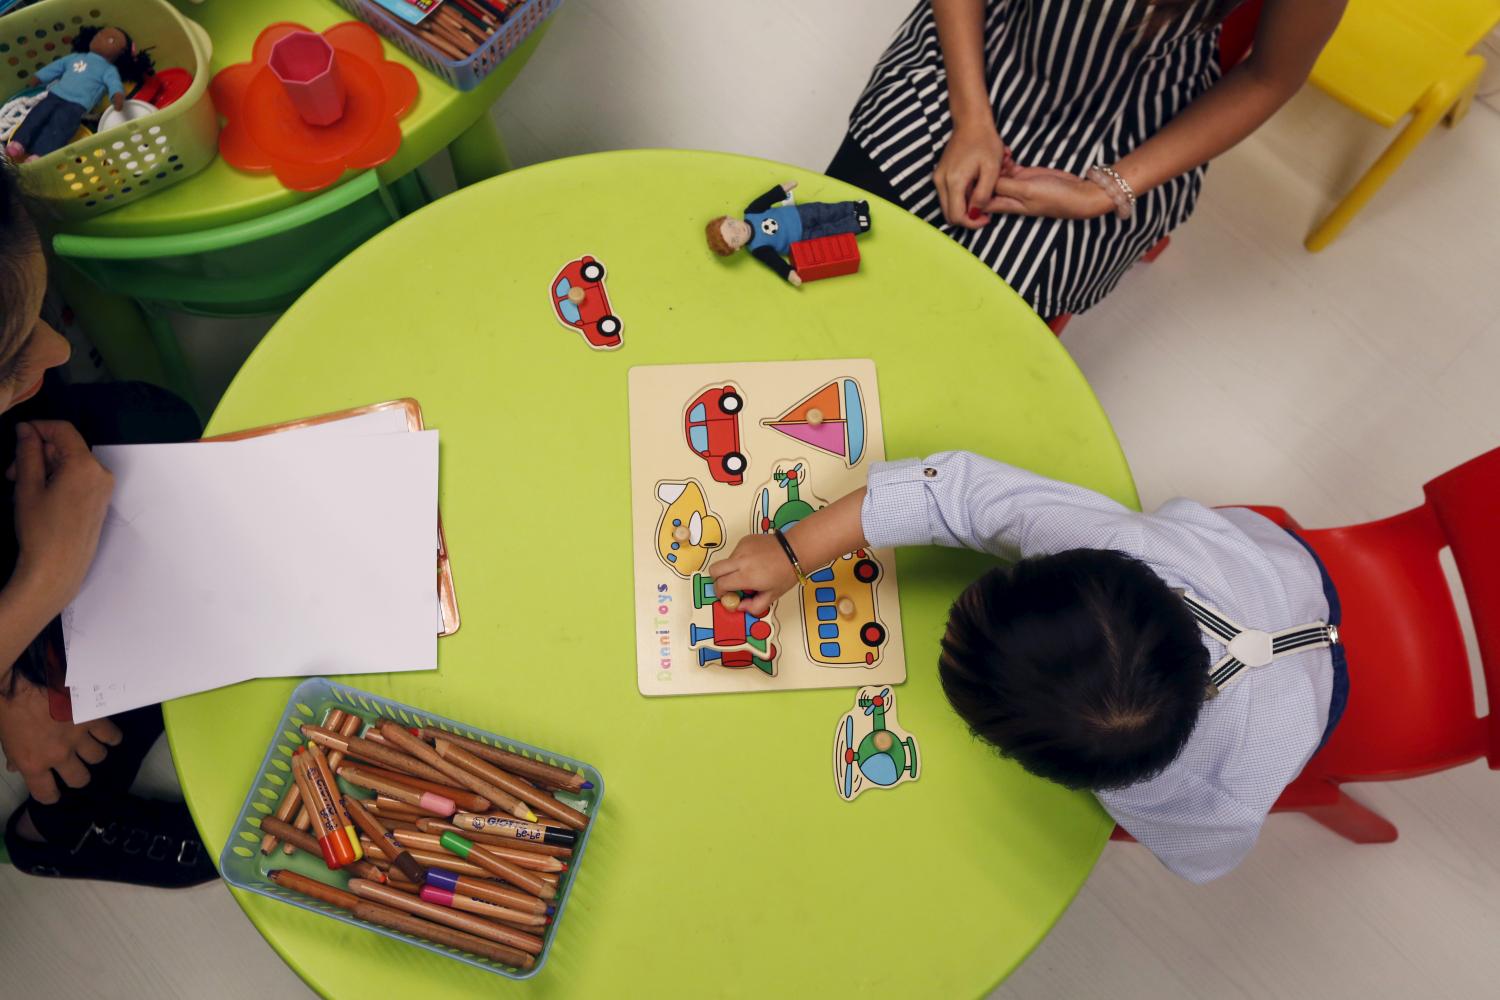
{"x": 102, "y": 59}
{"x": 769, "y": 228}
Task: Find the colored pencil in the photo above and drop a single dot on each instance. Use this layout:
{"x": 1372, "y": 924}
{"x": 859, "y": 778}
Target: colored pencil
{"x": 340, "y": 813}
{"x": 303, "y": 841}
{"x": 431, "y": 824}
{"x": 425, "y": 801}
{"x": 514, "y": 829}
{"x": 374, "y": 752}
{"x": 512, "y": 899}
{"x": 481, "y": 856}
{"x": 521, "y": 859}
{"x": 442, "y": 859}
{"x": 523, "y": 790}
{"x": 388, "y": 808}
{"x": 543, "y": 774}
{"x": 332, "y": 842}
{"x": 406, "y": 923}
{"x": 461, "y": 797}
{"x": 349, "y": 724}
{"x": 503, "y": 800}
{"x": 291, "y": 810}
{"x": 401, "y": 859}
{"x": 509, "y": 936}
{"x": 483, "y": 908}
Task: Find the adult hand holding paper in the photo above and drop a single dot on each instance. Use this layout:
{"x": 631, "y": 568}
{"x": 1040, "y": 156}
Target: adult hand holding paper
{"x": 62, "y": 493}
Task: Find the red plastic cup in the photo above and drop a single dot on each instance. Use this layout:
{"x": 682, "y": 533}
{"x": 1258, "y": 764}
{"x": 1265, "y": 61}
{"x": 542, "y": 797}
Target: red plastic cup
{"x": 303, "y": 62}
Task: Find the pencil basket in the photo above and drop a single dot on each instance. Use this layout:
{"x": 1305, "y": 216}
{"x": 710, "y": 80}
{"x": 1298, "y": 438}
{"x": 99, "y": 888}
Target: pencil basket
{"x": 93, "y": 175}
{"x": 463, "y": 74}
{"x": 244, "y": 867}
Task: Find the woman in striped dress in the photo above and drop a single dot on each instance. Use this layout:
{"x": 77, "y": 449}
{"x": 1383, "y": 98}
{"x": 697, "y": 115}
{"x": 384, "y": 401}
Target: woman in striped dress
{"x": 1058, "y": 140}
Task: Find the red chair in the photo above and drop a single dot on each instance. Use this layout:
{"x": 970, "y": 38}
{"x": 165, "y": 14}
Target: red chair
{"x": 1235, "y": 39}
{"x": 1411, "y": 700}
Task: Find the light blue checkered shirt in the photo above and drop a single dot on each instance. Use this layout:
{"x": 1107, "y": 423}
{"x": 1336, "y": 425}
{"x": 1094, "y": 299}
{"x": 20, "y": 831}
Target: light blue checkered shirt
{"x": 1201, "y": 815}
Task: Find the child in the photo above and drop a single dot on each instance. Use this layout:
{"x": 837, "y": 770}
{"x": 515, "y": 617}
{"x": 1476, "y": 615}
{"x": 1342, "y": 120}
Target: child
{"x": 80, "y": 821}
{"x": 770, "y": 229}
{"x": 1121, "y": 653}
{"x": 1059, "y": 140}
{"x": 75, "y": 85}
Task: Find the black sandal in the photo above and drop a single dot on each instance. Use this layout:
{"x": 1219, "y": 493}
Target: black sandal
{"x": 136, "y": 841}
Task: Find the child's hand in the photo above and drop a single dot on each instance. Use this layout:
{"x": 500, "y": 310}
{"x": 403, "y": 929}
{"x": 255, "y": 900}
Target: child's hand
{"x": 758, "y": 564}
{"x": 966, "y": 173}
{"x": 1055, "y": 194}
{"x": 37, "y": 745}
{"x": 62, "y": 494}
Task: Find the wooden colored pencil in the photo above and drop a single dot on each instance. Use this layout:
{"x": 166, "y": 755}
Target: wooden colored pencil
{"x": 431, "y": 824}
{"x": 484, "y": 888}
{"x": 461, "y": 796}
{"x": 425, "y": 801}
{"x": 484, "y": 908}
{"x": 349, "y": 724}
{"x": 340, "y": 813}
{"x": 509, "y": 936}
{"x": 442, "y": 859}
{"x": 523, "y": 790}
{"x": 291, "y": 809}
{"x": 454, "y": 38}
{"x": 333, "y": 843}
{"x": 374, "y": 752}
{"x": 521, "y": 859}
{"x": 303, "y": 841}
{"x": 542, "y": 774}
{"x": 406, "y": 923}
{"x": 402, "y": 860}
{"x": 482, "y": 857}
{"x": 503, "y": 800}
{"x": 514, "y": 829}
{"x": 388, "y": 808}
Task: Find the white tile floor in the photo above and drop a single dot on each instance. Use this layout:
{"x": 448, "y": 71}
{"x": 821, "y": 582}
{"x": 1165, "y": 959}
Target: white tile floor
{"x": 1236, "y": 368}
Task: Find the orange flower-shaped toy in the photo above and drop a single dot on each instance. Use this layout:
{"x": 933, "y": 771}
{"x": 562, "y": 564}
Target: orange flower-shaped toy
{"x": 263, "y": 131}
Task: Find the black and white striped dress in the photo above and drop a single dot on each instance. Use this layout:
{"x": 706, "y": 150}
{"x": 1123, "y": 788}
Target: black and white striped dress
{"x": 1073, "y": 83}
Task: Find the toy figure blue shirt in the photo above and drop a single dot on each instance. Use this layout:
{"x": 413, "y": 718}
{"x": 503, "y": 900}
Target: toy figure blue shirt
{"x": 777, "y": 228}
{"x": 82, "y": 78}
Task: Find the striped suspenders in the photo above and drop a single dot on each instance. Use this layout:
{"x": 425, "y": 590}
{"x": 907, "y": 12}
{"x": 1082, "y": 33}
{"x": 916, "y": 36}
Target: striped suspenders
{"x": 1249, "y": 647}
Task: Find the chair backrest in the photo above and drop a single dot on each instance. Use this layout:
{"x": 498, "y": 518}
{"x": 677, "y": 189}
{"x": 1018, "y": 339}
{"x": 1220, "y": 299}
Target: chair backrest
{"x": 1411, "y": 699}
{"x": 240, "y": 269}
{"x": 1238, "y": 34}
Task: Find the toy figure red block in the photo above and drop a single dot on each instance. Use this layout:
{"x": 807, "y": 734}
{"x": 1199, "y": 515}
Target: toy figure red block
{"x": 825, "y": 257}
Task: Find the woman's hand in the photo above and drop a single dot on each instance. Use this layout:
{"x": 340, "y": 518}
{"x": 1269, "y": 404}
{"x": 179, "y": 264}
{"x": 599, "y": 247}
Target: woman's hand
{"x": 62, "y": 494}
{"x": 36, "y": 744}
{"x": 966, "y": 173}
{"x": 757, "y": 564}
{"x": 1044, "y": 191}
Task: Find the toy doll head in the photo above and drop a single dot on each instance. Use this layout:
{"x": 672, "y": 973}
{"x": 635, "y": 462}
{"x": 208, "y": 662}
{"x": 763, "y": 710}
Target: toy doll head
{"x": 116, "y": 46}
{"x": 727, "y": 234}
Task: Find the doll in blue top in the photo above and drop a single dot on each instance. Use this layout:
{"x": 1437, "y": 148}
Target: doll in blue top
{"x": 75, "y": 84}
{"x": 769, "y": 228}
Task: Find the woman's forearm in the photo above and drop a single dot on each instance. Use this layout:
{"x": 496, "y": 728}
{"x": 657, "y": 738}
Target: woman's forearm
{"x": 1291, "y": 35}
{"x": 960, "y": 25}
{"x": 24, "y": 612}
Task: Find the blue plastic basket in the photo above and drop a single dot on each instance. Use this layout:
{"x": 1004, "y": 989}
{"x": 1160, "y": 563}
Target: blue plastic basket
{"x": 244, "y": 867}
{"x": 464, "y": 74}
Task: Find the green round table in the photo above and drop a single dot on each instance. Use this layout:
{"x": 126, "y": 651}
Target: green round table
{"x": 722, "y": 862}
{"x": 220, "y": 194}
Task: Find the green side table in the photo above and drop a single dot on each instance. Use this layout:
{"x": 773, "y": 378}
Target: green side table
{"x": 723, "y": 862}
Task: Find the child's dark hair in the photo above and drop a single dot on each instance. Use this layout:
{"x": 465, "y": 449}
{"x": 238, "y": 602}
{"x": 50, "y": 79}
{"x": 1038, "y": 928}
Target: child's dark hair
{"x": 1083, "y": 667}
{"x": 133, "y": 66}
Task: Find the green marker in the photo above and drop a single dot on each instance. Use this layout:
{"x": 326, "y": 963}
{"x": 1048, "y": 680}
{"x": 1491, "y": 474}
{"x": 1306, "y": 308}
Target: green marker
{"x": 453, "y": 842}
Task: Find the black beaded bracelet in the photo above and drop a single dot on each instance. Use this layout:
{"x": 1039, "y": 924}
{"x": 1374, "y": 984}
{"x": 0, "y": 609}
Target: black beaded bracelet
{"x": 791, "y": 555}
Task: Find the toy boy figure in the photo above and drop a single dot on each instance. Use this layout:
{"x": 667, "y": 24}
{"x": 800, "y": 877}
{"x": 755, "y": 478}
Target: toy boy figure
{"x": 76, "y": 82}
{"x": 769, "y": 228}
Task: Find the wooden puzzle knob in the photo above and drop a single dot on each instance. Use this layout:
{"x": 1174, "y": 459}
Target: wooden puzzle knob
{"x": 680, "y": 533}
{"x": 731, "y": 601}
{"x": 815, "y": 417}
{"x": 883, "y": 740}
{"x": 846, "y": 607}
{"x": 576, "y": 295}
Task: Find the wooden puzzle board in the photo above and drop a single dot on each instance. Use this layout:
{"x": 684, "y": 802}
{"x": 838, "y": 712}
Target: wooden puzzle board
{"x": 718, "y": 451}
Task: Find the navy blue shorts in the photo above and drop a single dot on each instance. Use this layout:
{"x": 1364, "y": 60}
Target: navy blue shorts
{"x": 1340, "y": 697}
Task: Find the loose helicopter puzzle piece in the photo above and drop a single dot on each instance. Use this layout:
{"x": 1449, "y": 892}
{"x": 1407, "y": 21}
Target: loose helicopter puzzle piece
{"x": 688, "y": 533}
{"x": 870, "y": 749}
{"x": 581, "y": 303}
{"x": 831, "y": 419}
{"x": 737, "y": 639}
{"x": 711, "y": 425}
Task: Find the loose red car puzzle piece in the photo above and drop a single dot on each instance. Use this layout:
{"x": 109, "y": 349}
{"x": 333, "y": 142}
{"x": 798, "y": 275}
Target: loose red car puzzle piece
{"x": 581, "y": 303}
{"x": 711, "y": 424}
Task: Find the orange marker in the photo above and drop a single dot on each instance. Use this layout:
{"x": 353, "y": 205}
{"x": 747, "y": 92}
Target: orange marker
{"x": 341, "y": 815}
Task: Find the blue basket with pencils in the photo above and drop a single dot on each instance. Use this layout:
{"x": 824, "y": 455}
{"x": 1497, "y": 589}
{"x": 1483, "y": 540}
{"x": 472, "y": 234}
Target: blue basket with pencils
{"x": 486, "y": 888}
{"x": 461, "y": 41}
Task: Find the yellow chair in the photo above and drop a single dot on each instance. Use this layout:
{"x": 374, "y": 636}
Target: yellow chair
{"x": 1393, "y": 58}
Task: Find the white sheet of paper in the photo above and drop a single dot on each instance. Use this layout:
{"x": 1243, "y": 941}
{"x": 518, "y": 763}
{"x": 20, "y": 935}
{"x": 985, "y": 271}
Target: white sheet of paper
{"x": 311, "y": 554}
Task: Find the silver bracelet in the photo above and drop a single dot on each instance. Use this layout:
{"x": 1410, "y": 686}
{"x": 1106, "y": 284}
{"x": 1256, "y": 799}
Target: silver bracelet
{"x": 1119, "y": 191}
